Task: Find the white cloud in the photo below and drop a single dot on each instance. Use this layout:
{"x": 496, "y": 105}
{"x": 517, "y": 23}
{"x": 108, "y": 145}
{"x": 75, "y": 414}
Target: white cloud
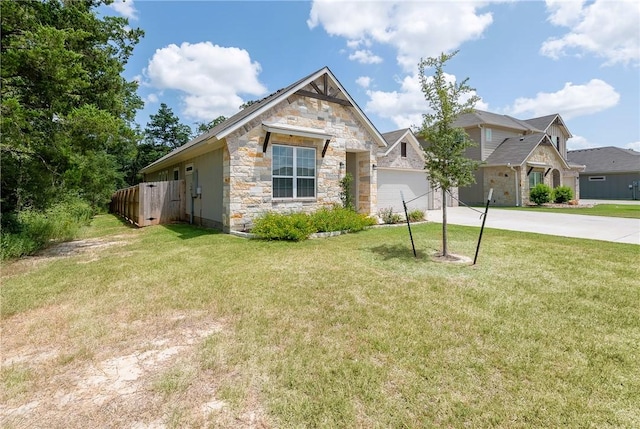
{"x": 415, "y": 29}
{"x": 364, "y": 81}
{"x": 571, "y": 101}
{"x": 635, "y": 146}
{"x": 365, "y": 56}
{"x": 406, "y": 106}
{"x": 211, "y": 77}
{"x": 125, "y": 8}
{"x": 563, "y": 12}
{"x": 607, "y": 29}
{"x": 151, "y": 98}
{"x": 579, "y": 142}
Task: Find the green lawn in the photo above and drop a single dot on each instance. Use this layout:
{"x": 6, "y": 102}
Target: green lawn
{"x": 350, "y": 331}
{"x": 613, "y": 210}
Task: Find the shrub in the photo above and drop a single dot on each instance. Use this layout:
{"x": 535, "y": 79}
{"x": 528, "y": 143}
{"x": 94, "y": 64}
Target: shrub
{"x": 339, "y": 219}
{"x": 388, "y": 216}
{"x": 289, "y": 227}
{"x": 33, "y": 230}
{"x": 346, "y": 196}
{"x": 562, "y": 194}
{"x": 540, "y": 194}
{"x": 299, "y": 226}
{"x": 416, "y": 215}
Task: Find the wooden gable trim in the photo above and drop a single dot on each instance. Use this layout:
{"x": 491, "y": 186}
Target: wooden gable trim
{"x": 323, "y": 97}
{"x": 323, "y": 94}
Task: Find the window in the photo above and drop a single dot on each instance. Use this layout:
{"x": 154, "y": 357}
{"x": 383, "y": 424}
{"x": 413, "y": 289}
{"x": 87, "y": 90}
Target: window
{"x": 293, "y": 172}
{"x": 535, "y": 178}
{"x": 487, "y": 134}
{"x": 188, "y": 169}
{"x": 176, "y": 175}
{"x": 403, "y": 149}
{"x": 597, "y": 178}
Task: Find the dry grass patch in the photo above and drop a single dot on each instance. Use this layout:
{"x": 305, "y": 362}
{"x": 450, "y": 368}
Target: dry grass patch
{"x": 197, "y": 329}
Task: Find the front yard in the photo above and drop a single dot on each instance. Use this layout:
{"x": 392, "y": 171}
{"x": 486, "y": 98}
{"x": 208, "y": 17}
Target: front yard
{"x": 184, "y": 327}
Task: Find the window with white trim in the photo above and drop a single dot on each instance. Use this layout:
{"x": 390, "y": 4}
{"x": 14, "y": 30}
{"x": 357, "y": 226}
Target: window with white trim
{"x": 597, "y": 178}
{"x": 487, "y": 134}
{"x": 535, "y": 178}
{"x": 293, "y": 172}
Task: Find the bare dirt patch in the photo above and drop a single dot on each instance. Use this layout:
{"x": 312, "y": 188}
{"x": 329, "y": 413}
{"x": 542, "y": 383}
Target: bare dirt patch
{"x": 89, "y": 248}
{"x": 120, "y": 385}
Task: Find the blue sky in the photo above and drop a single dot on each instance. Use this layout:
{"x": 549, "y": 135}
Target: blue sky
{"x": 526, "y": 59}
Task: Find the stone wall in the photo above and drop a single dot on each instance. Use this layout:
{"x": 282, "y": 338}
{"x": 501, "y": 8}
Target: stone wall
{"x": 503, "y": 182}
{"x": 247, "y": 170}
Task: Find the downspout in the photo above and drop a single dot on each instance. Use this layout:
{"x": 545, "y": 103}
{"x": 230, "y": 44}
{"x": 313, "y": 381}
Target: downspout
{"x": 515, "y": 176}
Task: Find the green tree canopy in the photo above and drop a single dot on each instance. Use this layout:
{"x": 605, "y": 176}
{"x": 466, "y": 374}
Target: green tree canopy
{"x": 203, "y": 127}
{"x": 165, "y": 129}
{"x": 67, "y": 112}
{"x": 445, "y": 161}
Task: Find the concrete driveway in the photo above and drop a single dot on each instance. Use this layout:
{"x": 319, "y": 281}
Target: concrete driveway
{"x": 619, "y": 230}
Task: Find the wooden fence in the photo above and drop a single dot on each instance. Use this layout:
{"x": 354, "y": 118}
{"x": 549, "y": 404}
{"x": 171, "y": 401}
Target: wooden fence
{"x": 151, "y": 203}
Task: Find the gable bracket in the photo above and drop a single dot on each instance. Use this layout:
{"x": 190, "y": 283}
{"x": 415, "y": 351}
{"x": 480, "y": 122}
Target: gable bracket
{"x": 547, "y": 172}
{"x": 529, "y": 170}
{"x": 314, "y": 86}
{"x": 326, "y": 145}
{"x": 310, "y": 94}
{"x": 266, "y": 141}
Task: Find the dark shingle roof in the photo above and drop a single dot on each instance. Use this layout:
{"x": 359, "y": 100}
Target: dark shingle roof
{"x": 515, "y": 150}
{"x": 607, "y": 159}
{"x": 229, "y": 122}
{"x": 392, "y": 136}
{"x": 221, "y": 130}
{"x": 480, "y": 117}
{"x": 543, "y": 122}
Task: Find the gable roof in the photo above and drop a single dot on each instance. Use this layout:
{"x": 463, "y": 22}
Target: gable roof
{"x": 608, "y": 159}
{"x": 236, "y": 121}
{"x": 480, "y": 117}
{"x": 516, "y": 150}
{"x": 544, "y": 122}
{"x": 393, "y": 138}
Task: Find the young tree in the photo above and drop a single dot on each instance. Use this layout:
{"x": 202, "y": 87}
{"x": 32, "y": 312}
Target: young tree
{"x": 165, "y": 129}
{"x": 446, "y": 165}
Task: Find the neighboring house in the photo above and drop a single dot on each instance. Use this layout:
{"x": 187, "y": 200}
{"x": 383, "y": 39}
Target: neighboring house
{"x": 610, "y": 173}
{"x": 284, "y": 153}
{"x": 516, "y": 155}
{"x": 401, "y": 172}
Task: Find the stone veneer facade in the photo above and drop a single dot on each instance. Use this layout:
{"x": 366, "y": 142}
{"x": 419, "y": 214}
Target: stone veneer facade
{"x": 502, "y": 178}
{"x": 247, "y": 184}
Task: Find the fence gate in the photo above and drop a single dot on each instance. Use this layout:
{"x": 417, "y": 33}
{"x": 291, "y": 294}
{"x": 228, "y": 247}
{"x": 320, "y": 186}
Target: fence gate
{"x": 151, "y": 203}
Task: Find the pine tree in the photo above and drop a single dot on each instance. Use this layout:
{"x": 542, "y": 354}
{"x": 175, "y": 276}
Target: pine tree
{"x": 165, "y": 129}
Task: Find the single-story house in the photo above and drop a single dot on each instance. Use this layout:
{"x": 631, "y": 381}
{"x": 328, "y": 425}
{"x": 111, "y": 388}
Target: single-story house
{"x": 286, "y": 152}
{"x": 516, "y": 155}
{"x": 610, "y": 172}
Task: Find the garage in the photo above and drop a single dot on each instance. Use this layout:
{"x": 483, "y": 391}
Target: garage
{"x": 412, "y": 183}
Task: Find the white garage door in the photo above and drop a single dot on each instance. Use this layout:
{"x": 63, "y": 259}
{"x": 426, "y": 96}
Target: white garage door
{"x": 412, "y": 184}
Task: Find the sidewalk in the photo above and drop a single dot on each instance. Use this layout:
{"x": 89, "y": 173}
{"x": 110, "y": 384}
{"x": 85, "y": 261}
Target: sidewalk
{"x": 618, "y": 230}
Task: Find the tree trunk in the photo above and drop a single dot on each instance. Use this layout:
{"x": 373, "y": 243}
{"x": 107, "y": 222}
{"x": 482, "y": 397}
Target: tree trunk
{"x": 445, "y": 250}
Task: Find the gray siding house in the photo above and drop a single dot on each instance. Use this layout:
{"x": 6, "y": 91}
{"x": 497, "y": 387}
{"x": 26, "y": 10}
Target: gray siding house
{"x": 610, "y": 173}
{"x": 516, "y": 155}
